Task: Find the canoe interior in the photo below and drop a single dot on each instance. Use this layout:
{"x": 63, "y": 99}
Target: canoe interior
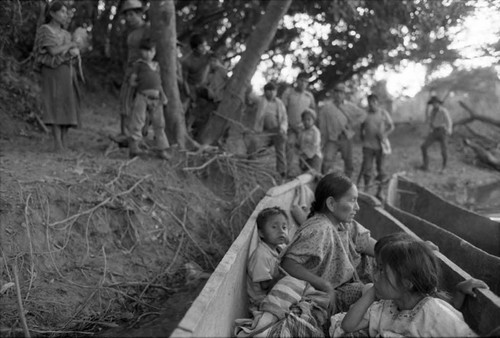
{"x": 478, "y": 230}
{"x": 224, "y": 298}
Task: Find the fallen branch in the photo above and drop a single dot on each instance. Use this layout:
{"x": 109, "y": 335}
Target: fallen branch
{"x": 20, "y": 302}
{"x": 123, "y": 165}
{"x": 107, "y": 200}
{"x": 475, "y": 116}
{"x": 183, "y": 226}
{"x": 156, "y": 286}
{"x": 206, "y": 163}
{"x": 32, "y": 263}
{"x": 484, "y": 155}
{"x": 41, "y": 123}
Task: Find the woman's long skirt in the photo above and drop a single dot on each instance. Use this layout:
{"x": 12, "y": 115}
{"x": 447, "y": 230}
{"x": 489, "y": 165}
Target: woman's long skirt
{"x": 61, "y": 97}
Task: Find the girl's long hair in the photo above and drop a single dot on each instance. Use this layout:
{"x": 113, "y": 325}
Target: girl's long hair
{"x": 412, "y": 260}
{"x": 332, "y": 185}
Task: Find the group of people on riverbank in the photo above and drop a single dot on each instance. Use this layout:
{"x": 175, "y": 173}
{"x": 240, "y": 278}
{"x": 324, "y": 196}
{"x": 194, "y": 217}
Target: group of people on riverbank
{"x": 308, "y": 138}
{"x": 317, "y": 276}
{"x": 305, "y": 136}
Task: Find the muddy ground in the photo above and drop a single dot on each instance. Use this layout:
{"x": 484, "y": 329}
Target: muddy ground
{"x": 100, "y": 242}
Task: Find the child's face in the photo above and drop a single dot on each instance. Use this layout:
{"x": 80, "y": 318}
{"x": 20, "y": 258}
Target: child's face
{"x": 133, "y": 17}
{"x": 148, "y": 54}
{"x": 270, "y": 94}
{"x": 202, "y": 48}
{"x": 373, "y": 103}
{"x": 307, "y": 120}
{"x": 385, "y": 282}
{"x": 275, "y": 230}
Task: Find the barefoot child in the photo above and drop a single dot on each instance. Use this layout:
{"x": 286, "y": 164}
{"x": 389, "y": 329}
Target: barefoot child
{"x": 310, "y": 142}
{"x": 262, "y": 268}
{"x": 149, "y": 100}
{"x": 404, "y": 300}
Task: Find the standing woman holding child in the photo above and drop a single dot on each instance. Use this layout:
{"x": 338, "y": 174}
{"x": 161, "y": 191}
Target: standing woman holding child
{"x": 55, "y": 56}
{"x": 327, "y": 248}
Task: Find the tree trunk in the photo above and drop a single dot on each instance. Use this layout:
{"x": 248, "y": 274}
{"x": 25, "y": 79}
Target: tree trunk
{"x": 164, "y": 33}
{"x": 230, "y": 108}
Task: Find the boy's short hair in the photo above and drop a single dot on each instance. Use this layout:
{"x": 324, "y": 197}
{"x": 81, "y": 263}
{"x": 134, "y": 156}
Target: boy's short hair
{"x": 269, "y": 86}
{"x": 303, "y": 76}
{"x": 372, "y": 97}
{"x": 267, "y": 213}
{"x": 310, "y": 112}
{"x": 147, "y": 44}
{"x": 196, "y": 40}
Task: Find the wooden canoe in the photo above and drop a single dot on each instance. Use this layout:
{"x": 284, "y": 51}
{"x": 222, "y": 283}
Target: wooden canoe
{"x": 453, "y": 229}
{"x": 224, "y": 298}
{"x": 478, "y": 230}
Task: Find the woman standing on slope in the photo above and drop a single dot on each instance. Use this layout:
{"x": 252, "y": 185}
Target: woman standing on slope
{"x": 56, "y": 55}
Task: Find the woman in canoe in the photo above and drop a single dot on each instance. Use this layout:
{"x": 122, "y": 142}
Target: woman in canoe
{"x": 326, "y": 250}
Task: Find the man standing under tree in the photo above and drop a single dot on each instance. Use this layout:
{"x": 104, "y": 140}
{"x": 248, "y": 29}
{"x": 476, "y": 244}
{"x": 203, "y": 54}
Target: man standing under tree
{"x": 296, "y": 100}
{"x": 336, "y": 123}
{"x": 270, "y": 127}
{"x": 441, "y": 126}
{"x": 195, "y": 69}
{"x": 137, "y": 29}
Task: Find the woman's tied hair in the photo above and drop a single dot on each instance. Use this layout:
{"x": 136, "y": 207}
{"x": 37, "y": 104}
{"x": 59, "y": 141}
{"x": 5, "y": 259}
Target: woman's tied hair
{"x": 334, "y": 185}
{"x": 410, "y": 259}
{"x": 267, "y": 213}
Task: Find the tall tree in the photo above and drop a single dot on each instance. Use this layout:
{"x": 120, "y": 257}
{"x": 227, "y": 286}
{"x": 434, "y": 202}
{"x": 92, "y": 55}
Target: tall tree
{"x": 230, "y": 108}
{"x": 164, "y": 33}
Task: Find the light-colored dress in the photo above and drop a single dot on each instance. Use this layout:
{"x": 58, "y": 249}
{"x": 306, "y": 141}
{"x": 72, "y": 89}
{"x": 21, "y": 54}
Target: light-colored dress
{"x": 310, "y": 143}
{"x": 431, "y": 317}
{"x": 60, "y": 93}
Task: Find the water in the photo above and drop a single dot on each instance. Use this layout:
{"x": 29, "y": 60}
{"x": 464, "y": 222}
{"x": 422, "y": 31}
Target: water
{"x": 485, "y": 200}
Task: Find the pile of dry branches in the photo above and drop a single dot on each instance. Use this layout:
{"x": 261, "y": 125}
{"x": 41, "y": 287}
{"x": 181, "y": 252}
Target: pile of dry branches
{"x": 108, "y": 249}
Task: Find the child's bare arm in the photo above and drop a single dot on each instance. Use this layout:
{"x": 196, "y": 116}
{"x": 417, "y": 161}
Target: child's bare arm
{"x": 164, "y": 98}
{"x": 354, "y": 318}
{"x": 268, "y": 284}
{"x": 465, "y": 288}
{"x": 133, "y": 80}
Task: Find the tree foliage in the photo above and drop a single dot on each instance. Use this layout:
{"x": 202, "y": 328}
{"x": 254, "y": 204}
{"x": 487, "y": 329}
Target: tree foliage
{"x": 348, "y": 36}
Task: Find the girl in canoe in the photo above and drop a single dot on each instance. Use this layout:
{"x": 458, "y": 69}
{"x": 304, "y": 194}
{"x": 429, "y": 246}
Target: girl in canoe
{"x": 326, "y": 250}
{"x": 404, "y": 300}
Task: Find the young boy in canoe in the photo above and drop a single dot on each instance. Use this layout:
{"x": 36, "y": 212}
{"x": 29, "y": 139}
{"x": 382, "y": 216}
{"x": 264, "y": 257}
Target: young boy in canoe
{"x": 262, "y": 267}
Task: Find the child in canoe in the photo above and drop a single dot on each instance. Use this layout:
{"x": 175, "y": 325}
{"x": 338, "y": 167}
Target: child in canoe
{"x": 262, "y": 267}
{"x": 404, "y": 300}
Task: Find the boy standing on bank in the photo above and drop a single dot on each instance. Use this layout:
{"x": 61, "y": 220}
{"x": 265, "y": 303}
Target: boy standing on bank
{"x": 149, "y": 100}
{"x": 309, "y": 142}
{"x": 374, "y": 130}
